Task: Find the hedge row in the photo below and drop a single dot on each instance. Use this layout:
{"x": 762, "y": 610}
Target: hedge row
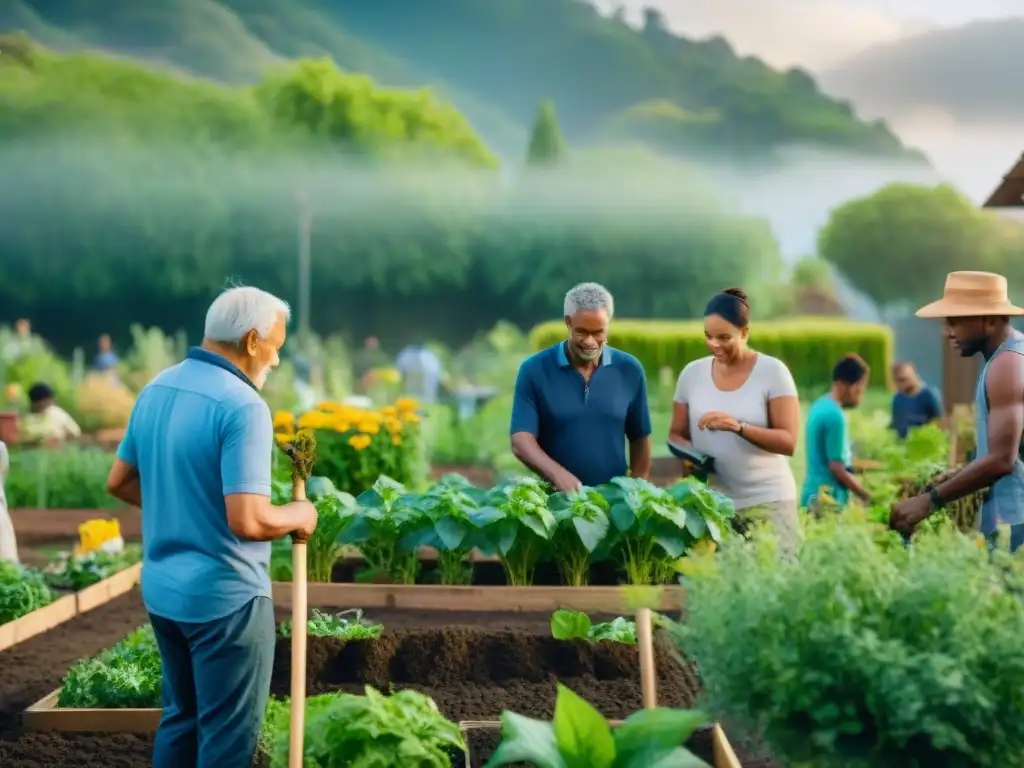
{"x": 809, "y": 346}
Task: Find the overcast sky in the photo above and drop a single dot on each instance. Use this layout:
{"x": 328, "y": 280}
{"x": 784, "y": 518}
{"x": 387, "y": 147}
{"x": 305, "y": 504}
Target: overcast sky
{"x": 815, "y": 33}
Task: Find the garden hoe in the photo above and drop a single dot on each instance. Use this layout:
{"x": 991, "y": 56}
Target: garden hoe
{"x": 302, "y": 453}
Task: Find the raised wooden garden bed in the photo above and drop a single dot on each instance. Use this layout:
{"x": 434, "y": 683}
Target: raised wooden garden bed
{"x": 69, "y": 606}
{"x": 428, "y": 597}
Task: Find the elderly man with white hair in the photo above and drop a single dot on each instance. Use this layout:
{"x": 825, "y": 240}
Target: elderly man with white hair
{"x": 196, "y": 457}
{"x": 577, "y": 403}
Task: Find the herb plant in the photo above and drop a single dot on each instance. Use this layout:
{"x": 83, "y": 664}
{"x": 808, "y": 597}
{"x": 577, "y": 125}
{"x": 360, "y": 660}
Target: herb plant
{"x": 656, "y": 526}
{"x": 518, "y": 525}
{"x": 21, "y": 591}
{"x": 127, "y": 675}
{"x": 81, "y": 571}
{"x": 445, "y": 524}
{"x": 371, "y": 731}
{"x": 383, "y": 518}
{"x": 579, "y": 736}
{"x": 576, "y": 625}
{"x": 851, "y": 655}
{"x": 582, "y": 526}
{"x": 347, "y": 625}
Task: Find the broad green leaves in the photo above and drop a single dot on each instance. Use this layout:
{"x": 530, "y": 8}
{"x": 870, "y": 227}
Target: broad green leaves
{"x": 580, "y": 737}
{"x": 572, "y": 625}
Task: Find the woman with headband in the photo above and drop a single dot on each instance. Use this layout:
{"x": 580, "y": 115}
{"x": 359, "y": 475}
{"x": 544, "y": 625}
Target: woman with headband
{"x": 740, "y": 407}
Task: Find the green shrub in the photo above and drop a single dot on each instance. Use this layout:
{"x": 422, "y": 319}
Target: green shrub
{"x": 855, "y": 655}
{"x": 65, "y": 478}
{"x": 809, "y": 346}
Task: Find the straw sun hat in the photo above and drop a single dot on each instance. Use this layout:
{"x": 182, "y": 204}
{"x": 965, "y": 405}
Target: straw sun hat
{"x": 972, "y": 294}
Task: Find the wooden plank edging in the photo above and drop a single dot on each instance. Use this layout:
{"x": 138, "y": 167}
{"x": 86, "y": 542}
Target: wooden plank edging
{"x": 429, "y": 597}
{"x": 724, "y": 756}
{"x": 45, "y": 715}
{"x": 40, "y": 620}
{"x": 68, "y": 607}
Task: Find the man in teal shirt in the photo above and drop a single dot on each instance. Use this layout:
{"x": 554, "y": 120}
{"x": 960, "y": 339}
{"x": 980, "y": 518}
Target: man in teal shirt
{"x": 829, "y": 457}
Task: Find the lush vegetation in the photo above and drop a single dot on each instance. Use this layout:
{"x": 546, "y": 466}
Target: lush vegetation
{"x": 21, "y": 591}
{"x": 858, "y": 655}
{"x": 369, "y": 730}
{"x": 576, "y": 625}
{"x": 579, "y": 735}
{"x": 80, "y": 570}
{"x": 678, "y": 93}
{"x": 347, "y": 625}
{"x": 128, "y": 675}
{"x": 810, "y": 347}
{"x": 897, "y": 244}
{"x": 641, "y": 528}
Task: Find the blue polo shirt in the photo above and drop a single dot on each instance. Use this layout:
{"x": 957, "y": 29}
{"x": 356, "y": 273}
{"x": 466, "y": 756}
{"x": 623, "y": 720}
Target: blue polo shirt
{"x": 584, "y": 427}
{"x": 909, "y": 411}
{"x": 199, "y": 432}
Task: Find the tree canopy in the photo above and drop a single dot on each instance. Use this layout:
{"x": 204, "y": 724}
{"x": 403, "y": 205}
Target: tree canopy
{"x": 898, "y": 244}
{"x": 133, "y": 195}
{"x": 494, "y": 59}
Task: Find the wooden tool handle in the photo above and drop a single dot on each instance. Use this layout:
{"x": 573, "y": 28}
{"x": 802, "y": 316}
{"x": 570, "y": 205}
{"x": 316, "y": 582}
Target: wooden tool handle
{"x": 645, "y": 642}
{"x": 298, "y": 692}
{"x": 299, "y": 617}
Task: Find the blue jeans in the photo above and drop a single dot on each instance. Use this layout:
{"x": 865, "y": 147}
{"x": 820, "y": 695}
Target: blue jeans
{"x": 216, "y": 681}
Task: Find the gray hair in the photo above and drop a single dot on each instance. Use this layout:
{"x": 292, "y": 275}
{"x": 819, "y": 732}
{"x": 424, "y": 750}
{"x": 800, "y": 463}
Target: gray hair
{"x": 588, "y": 297}
{"x": 239, "y": 310}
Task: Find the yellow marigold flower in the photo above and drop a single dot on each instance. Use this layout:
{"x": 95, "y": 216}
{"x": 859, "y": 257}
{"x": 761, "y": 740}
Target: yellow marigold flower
{"x": 407, "y": 404}
{"x": 389, "y": 411}
{"x": 359, "y": 442}
{"x": 393, "y": 425}
{"x": 369, "y": 427}
{"x": 388, "y": 375}
{"x": 310, "y": 420}
{"x": 284, "y": 420}
{"x": 396, "y": 439}
{"x": 285, "y": 437}
{"x": 411, "y": 418}
{"x": 329, "y": 406}
{"x": 342, "y": 426}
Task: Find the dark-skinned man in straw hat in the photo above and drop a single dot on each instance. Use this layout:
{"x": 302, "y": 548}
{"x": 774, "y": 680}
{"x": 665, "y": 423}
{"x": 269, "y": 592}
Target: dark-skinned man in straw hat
{"x": 977, "y": 312}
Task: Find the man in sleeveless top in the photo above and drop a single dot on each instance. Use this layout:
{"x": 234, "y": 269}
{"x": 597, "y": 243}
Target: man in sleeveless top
{"x": 977, "y": 312}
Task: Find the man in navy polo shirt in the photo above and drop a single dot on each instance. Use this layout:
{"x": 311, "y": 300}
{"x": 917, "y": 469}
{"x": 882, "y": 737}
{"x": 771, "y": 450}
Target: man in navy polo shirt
{"x": 915, "y": 403}
{"x": 196, "y": 457}
{"x": 577, "y": 403}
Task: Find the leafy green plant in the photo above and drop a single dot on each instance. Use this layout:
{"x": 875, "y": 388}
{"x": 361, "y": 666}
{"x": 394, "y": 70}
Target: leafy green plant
{"x": 382, "y": 519}
{"x": 344, "y": 729}
{"x": 347, "y": 625}
{"x": 81, "y": 571}
{"x": 576, "y": 625}
{"x": 72, "y": 477}
{"x": 852, "y": 655}
{"x": 656, "y": 526}
{"x": 580, "y": 737}
{"x": 582, "y": 524}
{"x": 21, "y": 591}
{"x": 518, "y": 525}
{"x": 127, "y": 675}
{"x": 445, "y": 524}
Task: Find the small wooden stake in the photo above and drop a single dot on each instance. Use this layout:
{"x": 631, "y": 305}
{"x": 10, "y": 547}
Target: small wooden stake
{"x": 645, "y": 641}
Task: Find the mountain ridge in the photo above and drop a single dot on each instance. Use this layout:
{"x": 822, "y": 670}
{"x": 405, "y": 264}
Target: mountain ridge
{"x": 494, "y": 59}
{"x": 965, "y": 71}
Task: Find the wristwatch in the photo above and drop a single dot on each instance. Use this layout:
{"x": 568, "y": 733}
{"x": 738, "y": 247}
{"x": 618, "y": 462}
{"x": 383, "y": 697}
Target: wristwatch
{"x": 937, "y": 502}
{"x": 743, "y": 425}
